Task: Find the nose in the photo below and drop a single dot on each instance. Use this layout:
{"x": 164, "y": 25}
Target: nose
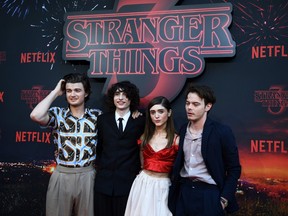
{"x": 156, "y": 115}
{"x": 190, "y": 105}
{"x": 122, "y": 96}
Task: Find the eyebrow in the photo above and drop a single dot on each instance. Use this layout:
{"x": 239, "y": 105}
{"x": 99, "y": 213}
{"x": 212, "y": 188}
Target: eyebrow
{"x": 119, "y": 90}
{"x": 161, "y": 109}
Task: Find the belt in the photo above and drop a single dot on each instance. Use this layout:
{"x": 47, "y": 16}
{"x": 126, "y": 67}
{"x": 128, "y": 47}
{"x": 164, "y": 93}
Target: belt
{"x": 64, "y": 169}
{"x": 75, "y": 166}
{"x": 195, "y": 182}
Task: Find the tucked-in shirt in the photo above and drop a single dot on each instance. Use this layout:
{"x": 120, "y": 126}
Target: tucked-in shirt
{"x": 159, "y": 161}
{"x": 75, "y": 138}
{"x": 194, "y": 165}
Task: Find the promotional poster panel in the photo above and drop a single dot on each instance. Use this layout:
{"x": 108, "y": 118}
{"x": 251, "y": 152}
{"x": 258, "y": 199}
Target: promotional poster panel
{"x": 239, "y": 48}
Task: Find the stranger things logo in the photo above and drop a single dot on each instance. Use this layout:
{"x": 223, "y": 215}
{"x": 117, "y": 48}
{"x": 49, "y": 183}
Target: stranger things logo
{"x": 154, "y": 44}
{"x": 275, "y": 99}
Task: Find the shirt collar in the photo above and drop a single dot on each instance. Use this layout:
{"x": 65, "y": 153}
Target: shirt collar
{"x": 125, "y": 117}
{"x": 69, "y": 113}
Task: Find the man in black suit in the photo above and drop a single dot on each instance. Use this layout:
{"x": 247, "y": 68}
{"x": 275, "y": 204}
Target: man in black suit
{"x": 118, "y": 160}
{"x": 207, "y": 167}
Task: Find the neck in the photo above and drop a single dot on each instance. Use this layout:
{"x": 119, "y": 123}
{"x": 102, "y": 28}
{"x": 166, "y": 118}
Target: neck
{"x": 197, "y": 126}
{"x": 160, "y": 131}
{"x": 77, "y": 111}
{"x": 122, "y": 112}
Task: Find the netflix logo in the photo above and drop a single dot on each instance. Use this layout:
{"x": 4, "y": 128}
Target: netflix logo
{"x": 1, "y": 96}
{"x": 32, "y": 136}
{"x": 37, "y": 57}
{"x": 268, "y": 146}
{"x": 269, "y": 51}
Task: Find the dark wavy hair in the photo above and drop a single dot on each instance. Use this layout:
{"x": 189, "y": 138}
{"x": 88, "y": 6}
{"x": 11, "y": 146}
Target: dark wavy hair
{"x": 150, "y": 126}
{"x": 131, "y": 91}
{"x": 203, "y": 91}
{"x": 78, "y": 78}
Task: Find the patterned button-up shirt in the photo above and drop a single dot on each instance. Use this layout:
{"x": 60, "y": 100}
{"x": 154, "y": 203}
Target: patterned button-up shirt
{"x": 75, "y": 138}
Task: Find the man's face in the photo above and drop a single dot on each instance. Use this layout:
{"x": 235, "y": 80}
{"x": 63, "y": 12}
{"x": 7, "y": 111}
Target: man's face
{"x": 75, "y": 94}
{"x": 121, "y": 101}
{"x": 195, "y": 107}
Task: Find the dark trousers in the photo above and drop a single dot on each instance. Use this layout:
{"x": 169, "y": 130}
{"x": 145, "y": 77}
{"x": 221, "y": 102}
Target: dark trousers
{"x": 198, "y": 199}
{"x": 105, "y": 205}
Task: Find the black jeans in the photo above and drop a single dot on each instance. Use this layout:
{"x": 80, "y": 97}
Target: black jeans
{"x": 198, "y": 199}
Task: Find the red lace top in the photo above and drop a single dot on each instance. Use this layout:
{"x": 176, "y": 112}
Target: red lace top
{"x": 160, "y": 161}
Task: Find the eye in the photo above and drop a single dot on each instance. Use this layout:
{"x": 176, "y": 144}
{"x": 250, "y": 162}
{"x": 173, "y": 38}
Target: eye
{"x": 161, "y": 111}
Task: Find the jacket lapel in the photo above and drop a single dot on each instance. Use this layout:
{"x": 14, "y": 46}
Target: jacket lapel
{"x": 206, "y": 132}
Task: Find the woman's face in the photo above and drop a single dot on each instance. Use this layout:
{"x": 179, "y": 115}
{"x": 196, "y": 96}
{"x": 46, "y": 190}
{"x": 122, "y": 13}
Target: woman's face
{"x": 159, "y": 115}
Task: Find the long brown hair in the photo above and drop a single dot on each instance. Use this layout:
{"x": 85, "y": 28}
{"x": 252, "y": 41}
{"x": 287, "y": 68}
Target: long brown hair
{"x": 150, "y": 126}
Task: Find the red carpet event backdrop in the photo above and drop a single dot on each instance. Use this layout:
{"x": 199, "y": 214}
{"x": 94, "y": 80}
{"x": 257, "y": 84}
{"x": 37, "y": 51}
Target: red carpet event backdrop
{"x": 239, "y": 48}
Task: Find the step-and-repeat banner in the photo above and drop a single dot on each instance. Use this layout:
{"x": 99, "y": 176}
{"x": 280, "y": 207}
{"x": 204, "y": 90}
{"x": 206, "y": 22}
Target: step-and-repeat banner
{"x": 239, "y": 48}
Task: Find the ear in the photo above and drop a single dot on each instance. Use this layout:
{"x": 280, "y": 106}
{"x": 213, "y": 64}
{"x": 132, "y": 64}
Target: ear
{"x": 170, "y": 112}
{"x": 208, "y": 107}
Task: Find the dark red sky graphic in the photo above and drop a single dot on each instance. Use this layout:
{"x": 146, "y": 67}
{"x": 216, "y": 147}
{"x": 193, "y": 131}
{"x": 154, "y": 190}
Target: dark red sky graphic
{"x": 267, "y": 165}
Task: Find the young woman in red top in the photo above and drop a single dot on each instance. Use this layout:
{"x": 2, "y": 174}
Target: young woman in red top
{"x": 159, "y": 146}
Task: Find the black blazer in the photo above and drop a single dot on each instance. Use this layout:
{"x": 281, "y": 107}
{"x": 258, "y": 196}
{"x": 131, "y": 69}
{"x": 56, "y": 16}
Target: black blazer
{"x": 117, "y": 155}
{"x": 220, "y": 154}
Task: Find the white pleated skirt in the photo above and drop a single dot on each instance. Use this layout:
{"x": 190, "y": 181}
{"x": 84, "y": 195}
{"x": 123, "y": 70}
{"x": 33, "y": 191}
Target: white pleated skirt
{"x": 148, "y": 196}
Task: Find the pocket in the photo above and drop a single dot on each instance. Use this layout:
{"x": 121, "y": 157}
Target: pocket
{"x": 212, "y": 199}
{"x": 220, "y": 209}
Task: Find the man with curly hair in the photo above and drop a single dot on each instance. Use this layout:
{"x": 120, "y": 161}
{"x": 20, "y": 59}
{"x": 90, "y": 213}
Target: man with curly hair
{"x": 118, "y": 156}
